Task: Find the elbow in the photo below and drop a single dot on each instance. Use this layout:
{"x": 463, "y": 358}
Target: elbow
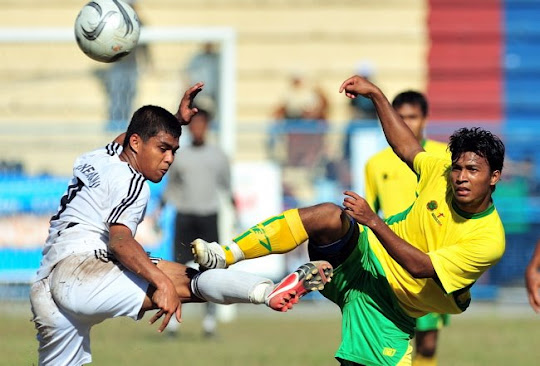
{"x": 114, "y": 246}
{"x": 420, "y": 274}
{"x": 421, "y": 271}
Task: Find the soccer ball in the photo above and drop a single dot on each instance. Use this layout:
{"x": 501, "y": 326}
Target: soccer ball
{"x": 107, "y": 30}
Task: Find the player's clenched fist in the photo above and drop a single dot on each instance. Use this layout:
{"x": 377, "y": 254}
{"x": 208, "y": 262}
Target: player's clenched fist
{"x": 357, "y": 85}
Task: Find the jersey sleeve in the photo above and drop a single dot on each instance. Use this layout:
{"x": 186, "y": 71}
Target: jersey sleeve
{"x": 129, "y": 196}
{"x": 428, "y": 167}
{"x": 424, "y": 162}
{"x": 371, "y": 193}
{"x": 460, "y": 265}
{"x": 113, "y": 148}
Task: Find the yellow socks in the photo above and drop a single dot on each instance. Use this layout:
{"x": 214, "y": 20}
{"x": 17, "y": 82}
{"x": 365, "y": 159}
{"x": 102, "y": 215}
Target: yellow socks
{"x": 419, "y": 360}
{"x": 278, "y": 234}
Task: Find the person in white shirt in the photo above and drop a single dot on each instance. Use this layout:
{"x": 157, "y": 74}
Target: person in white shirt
{"x": 93, "y": 268}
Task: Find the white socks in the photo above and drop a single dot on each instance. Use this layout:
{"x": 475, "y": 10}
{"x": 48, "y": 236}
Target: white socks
{"x": 261, "y": 292}
{"x": 223, "y": 286}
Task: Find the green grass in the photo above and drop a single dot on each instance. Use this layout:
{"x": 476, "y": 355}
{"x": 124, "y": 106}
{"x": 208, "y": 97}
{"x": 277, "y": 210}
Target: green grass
{"x": 307, "y": 336}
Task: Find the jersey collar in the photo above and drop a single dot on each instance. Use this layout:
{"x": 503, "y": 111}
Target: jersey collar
{"x": 135, "y": 171}
{"x": 469, "y": 215}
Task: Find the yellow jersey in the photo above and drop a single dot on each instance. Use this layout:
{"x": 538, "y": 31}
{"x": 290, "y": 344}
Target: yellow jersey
{"x": 461, "y": 245}
{"x": 390, "y": 184}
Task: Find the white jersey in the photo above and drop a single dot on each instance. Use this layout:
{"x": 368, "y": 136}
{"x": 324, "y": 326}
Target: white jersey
{"x": 104, "y": 190}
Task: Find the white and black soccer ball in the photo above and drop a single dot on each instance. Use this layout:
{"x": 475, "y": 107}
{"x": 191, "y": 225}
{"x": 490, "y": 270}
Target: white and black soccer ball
{"x": 107, "y": 30}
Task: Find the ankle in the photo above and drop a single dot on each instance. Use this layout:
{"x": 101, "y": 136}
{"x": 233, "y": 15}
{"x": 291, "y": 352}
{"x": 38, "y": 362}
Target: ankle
{"x": 260, "y": 292}
{"x": 233, "y": 253}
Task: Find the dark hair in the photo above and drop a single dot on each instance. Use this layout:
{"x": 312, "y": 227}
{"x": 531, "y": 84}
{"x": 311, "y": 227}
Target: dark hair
{"x": 479, "y": 141}
{"x": 150, "y": 120}
{"x": 411, "y": 97}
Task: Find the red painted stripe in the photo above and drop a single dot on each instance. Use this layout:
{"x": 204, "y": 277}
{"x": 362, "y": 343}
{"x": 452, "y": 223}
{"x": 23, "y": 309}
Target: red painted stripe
{"x": 464, "y": 61}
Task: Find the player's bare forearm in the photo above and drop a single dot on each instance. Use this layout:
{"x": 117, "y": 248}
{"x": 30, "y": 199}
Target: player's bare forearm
{"x": 416, "y": 262}
{"x": 133, "y": 256}
{"x": 397, "y": 133}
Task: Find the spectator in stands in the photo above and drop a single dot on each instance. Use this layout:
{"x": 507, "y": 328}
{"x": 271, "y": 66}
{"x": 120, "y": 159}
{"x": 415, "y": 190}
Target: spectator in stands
{"x": 362, "y": 108}
{"x": 532, "y": 279}
{"x": 193, "y": 185}
{"x": 121, "y": 83}
{"x": 362, "y": 114}
{"x": 301, "y": 117}
{"x": 205, "y": 66}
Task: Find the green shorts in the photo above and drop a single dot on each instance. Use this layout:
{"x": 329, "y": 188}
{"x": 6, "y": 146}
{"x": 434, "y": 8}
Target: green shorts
{"x": 375, "y": 330}
{"x": 432, "y": 321}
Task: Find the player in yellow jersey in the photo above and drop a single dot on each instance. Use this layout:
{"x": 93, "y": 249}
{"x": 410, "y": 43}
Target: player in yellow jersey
{"x": 388, "y": 273}
{"x": 390, "y": 187}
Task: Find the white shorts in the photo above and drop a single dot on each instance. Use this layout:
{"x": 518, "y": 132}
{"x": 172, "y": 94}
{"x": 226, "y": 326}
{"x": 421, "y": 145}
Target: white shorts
{"x": 80, "y": 292}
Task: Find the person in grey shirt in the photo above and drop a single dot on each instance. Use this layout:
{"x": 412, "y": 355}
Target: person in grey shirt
{"x": 194, "y": 183}
{"x": 204, "y": 66}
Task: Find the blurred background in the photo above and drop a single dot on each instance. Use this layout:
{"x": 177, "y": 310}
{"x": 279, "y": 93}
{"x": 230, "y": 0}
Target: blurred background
{"x": 272, "y": 71}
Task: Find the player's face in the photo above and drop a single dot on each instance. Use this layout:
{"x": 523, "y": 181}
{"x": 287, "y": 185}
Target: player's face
{"x": 156, "y": 155}
{"x": 414, "y": 118}
{"x": 472, "y": 181}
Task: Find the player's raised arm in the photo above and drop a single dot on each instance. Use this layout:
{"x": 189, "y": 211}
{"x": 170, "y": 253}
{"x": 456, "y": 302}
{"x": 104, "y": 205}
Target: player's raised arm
{"x": 185, "y": 112}
{"x": 397, "y": 133}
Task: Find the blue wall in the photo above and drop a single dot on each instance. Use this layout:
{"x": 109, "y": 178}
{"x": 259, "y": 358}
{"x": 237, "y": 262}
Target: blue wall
{"x": 522, "y": 61}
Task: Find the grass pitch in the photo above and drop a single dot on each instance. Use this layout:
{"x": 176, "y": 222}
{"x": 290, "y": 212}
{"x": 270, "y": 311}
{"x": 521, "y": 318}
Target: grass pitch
{"x": 309, "y": 335}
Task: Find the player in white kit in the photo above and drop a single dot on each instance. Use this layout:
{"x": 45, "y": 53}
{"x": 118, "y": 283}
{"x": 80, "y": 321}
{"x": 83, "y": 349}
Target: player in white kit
{"x": 93, "y": 268}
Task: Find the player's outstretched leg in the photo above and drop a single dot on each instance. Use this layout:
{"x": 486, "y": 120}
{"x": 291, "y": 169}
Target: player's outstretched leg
{"x": 277, "y": 234}
{"x": 312, "y": 276}
{"x": 226, "y": 286}
{"x": 326, "y": 223}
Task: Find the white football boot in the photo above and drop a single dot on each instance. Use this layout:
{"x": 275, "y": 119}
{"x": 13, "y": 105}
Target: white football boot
{"x": 208, "y": 255}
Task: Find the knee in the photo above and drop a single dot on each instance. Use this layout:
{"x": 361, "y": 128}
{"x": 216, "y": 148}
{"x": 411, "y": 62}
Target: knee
{"x": 325, "y": 222}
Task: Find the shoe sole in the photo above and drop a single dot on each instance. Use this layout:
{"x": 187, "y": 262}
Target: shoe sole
{"x": 312, "y": 276}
